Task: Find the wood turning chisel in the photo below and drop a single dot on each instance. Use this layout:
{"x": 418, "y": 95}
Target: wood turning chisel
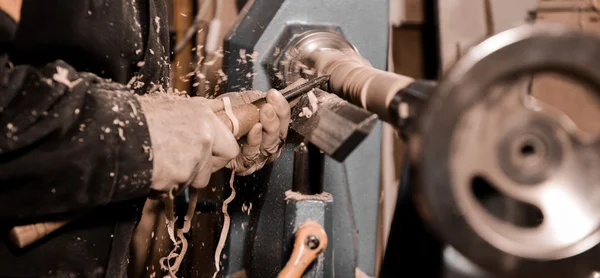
{"x": 247, "y": 115}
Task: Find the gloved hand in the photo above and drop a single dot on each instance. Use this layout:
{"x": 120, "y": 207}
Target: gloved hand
{"x": 265, "y": 139}
{"x": 189, "y": 142}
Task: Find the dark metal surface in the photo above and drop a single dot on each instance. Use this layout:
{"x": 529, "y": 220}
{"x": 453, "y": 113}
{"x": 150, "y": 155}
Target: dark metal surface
{"x": 312, "y": 242}
{"x": 411, "y": 245}
{"x": 355, "y": 183}
{"x": 309, "y": 167}
{"x": 337, "y": 128}
{"x": 309, "y": 207}
{"x": 453, "y": 158}
{"x": 407, "y": 104}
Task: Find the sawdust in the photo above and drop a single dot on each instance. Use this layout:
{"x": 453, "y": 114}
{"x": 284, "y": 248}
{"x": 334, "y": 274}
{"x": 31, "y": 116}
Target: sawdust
{"x": 148, "y": 150}
{"x": 242, "y": 56}
{"x": 121, "y": 134}
{"x": 135, "y": 82}
{"x": 134, "y": 110}
{"x": 314, "y": 102}
{"x": 157, "y": 21}
{"x": 247, "y": 209}
{"x": 61, "y": 76}
{"x": 222, "y": 75}
{"x": 300, "y": 197}
{"x": 253, "y": 57}
{"x": 306, "y": 112}
{"x": 12, "y": 128}
{"x": 279, "y": 75}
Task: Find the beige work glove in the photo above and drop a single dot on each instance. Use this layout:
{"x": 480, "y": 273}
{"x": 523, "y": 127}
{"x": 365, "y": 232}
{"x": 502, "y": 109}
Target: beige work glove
{"x": 189, "y": 142}
{"x": 265, "y": 139}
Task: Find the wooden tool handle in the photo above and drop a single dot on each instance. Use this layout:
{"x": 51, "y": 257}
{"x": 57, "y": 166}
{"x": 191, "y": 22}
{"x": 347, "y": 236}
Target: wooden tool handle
{"x": 311, "y": 240}
{"x": 247, "y": 116}
{"x": 24, "y": 235}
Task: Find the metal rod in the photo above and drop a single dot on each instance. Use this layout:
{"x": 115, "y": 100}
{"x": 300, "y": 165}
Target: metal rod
{"x": 297, "y": 91}
{"x": 309, "y": 167}
{"x": 306, "y": 87}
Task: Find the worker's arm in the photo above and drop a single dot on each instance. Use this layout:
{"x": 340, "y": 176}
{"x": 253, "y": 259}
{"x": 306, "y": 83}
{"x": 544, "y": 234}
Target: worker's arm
{"x": 68, "y": 141}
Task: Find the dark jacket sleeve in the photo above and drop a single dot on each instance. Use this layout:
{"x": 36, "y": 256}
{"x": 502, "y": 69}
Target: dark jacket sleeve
{"x": 69, "y": 141}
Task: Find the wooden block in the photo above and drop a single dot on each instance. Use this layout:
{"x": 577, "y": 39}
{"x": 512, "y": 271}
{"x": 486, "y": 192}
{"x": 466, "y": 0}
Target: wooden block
{"x": 564, "y": 4}
{"x": 462, "y": 25}
{"x": 407, "y": 51}
{"x": 576, "y": 101}
{"x": 414, "y": 11}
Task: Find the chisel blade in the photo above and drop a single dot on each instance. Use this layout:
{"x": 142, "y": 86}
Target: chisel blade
{"x": 336, "y": 126}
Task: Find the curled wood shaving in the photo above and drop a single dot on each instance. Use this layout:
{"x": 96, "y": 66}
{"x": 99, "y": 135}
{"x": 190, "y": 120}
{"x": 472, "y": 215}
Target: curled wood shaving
{"x": 187, "y": 221}
{"x": 180, "y": 244}
{"x": 170, "y": 215}
{"x": 225, "y": 230}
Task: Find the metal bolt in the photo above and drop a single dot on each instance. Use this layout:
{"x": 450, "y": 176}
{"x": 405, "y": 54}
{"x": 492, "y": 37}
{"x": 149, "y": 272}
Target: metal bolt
{"x": 312, "y": 242}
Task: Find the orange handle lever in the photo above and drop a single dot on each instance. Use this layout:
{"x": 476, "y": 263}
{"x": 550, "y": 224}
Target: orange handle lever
{"x": 311, "y": 240}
